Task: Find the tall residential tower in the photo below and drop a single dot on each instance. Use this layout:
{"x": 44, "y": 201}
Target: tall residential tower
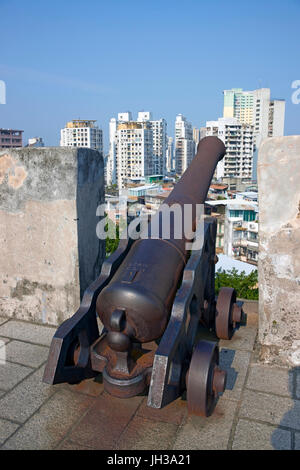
{"x": 159, "y": 131}
{"x": 239, "y": 143}
{"x": 82, "y": 133}
{"x": 184, "y": 144}
{"x": 257, "y": 109}
{"x": 137, "y": 148}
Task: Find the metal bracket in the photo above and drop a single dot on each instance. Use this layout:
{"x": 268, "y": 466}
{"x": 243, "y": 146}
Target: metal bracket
{"x": 176, "y": 345}
{"x": 81, "y": 329}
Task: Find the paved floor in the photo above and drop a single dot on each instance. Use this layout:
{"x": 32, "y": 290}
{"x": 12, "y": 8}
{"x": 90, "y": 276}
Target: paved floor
{"x": 260, "y": 408}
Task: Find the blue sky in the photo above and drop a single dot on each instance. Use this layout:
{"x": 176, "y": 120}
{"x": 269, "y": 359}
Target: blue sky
{"x": 64, "y": 60}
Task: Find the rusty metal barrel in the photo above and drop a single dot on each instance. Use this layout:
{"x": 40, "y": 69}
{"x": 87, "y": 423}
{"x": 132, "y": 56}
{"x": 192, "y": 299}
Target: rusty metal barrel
{"x": 138, "y": 299}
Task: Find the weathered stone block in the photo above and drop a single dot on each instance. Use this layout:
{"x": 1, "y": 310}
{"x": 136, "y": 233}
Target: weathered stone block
{"x": 11, "y": 374}
{"x": 26, "y": 354}
{"x": 279, "y": 249}
{"x": 26, "y": 397}
{"x": 48, "y": 426}
{"x": 6, "y": 429}
{"x": 27, "y": 332}
{"x": 145, "y": 434}
{"x": 212, "y": 433}
{"x": 48, "y": 202}
{"x": 251, "y": 435}
{"x": 270, "y": 379}
{"x": 270, "y": 408}
{"x": 102, "y": 426}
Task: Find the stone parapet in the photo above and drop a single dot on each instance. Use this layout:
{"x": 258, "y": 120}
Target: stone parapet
{"x": 50, "y": 252}
{"x": 279, "y": 249}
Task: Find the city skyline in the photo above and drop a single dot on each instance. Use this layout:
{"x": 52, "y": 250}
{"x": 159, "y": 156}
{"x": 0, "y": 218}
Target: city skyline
{"x": 124, "y": 57}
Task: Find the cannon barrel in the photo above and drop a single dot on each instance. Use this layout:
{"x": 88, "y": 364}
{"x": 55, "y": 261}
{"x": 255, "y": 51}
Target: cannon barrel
{"x": 137, "y": 301}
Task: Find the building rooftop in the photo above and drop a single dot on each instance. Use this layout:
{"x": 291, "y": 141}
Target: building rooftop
{"x": 10, "y": 130}
{"x": 145, "y": 187}
{"x": 236, "y": 203}
{"x": 227, "y": 263}
{"x": 219, "y": 186}
{"x": 80, "y": 123}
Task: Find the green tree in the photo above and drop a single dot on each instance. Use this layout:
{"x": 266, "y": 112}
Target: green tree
{"x": 111, "y": 244}
{"x": 246, "y": 285}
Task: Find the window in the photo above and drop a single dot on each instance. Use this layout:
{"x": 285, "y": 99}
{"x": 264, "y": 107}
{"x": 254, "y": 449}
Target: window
{"x": 249, "y": 216}
{"x": 236, "y": 213}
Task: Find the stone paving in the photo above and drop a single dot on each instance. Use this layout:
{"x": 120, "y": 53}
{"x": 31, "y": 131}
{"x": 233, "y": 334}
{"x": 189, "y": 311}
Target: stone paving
{"x": 260, "y": 408}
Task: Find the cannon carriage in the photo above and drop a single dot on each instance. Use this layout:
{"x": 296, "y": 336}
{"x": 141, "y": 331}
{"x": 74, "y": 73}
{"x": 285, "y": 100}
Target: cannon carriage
{"x": 151, "y": 296}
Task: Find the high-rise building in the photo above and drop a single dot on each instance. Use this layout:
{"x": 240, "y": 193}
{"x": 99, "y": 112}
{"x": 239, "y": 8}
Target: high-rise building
{"x": 134, "y": 151}
{"x": 184, "y": 154}
{"x": 159, "y": 130}
{"x": 183, "y": 128}
{"x": 276, "y": 118}
{"x": 239, "y": 142}
{"x": 257, "y": 109}
{"x": 196, "y": 137}
{"x": 10, "y": 138}
{"x": 82, "y": 133}
{"x": 130, "y": 149}
{"x": 170, "y": 155}
{"x": 111, "y": 159}
{"x": 184, "y": 144}
{"x": 202, "y": 132}
{"x": 136, "y": 148}
{"x": 239, "y": 104}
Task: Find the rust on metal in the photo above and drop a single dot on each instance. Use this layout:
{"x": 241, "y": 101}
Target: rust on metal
{"x": 228, "y": 313}
{"x": 205, "y": 379}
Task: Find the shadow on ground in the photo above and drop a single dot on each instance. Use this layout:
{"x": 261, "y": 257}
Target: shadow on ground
{"x": 292, "y": 416}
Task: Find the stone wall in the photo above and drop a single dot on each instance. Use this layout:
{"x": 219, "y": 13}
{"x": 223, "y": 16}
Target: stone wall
{"x": 49, "y": 249}
{"x": 279, "y": 250}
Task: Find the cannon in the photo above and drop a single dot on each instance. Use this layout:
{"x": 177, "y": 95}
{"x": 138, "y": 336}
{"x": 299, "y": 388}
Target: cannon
{"x": 151, "y": 297}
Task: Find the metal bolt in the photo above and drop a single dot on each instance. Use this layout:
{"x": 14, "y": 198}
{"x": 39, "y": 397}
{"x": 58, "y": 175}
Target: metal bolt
{"x": 236, "y": 314}
{"x": 219, "y": 380}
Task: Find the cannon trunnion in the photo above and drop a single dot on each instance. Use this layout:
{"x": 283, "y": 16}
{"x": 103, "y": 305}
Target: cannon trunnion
{"x": 151, "y": 297}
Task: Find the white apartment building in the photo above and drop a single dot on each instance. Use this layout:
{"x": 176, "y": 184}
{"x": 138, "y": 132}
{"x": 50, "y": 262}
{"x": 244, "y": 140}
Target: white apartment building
{"x": 143, "y": 146}
{"x": 111, "y": 175}
{"x": 196, "y": 137}
{"x": 184, "y": 144}
{"x": 82, "y": 133}
{"x": 159, "y": 129}
{"x": 257, "y": 109}
{"x": 133, "y": 150}
{"x": 183, "y": 128}
{"x": 276, "y": 118}
{"x": 111, "y": 158}
{"x": 239, "y": 142}
{"x": 241, "y": 231}
{"x": 237, "y": 228}
{"x": 184, "y": 154}
{"x": 170, "y": 155}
